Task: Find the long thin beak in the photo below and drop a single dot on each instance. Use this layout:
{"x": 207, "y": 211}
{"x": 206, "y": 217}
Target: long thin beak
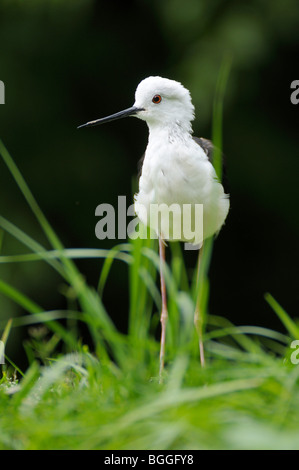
{"x": 122, "y": 114}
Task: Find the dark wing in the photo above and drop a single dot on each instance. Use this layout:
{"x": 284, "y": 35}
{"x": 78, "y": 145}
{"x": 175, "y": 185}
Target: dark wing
{"x": 206, "y": 145}
{"x": 139, "y": 165}
{"x": 208, "y": 148}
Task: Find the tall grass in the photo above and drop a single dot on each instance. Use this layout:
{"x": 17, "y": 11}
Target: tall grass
{"x": 107, "y": 396}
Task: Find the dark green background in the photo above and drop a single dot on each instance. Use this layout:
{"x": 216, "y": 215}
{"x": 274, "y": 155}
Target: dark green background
{"x": 66, "y": 62}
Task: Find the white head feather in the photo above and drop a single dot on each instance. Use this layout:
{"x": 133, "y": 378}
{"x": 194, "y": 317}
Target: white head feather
{"x": 175, "y": 106}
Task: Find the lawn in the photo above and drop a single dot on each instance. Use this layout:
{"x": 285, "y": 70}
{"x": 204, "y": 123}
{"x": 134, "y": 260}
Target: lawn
{"x": 107, "y": 395}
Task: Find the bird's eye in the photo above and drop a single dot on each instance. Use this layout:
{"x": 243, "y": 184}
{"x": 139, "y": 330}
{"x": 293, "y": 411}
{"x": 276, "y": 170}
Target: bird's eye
{"x": 156, "y": 99}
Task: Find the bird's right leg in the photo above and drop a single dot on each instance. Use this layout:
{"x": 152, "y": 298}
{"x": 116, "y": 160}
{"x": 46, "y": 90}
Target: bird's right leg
{"x": 164, "y": 313}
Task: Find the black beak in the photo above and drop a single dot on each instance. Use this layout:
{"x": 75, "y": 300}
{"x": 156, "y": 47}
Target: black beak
{"x": 122, "y": 114}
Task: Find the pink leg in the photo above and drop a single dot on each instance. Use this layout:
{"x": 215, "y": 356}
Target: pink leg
{"x": 164, "y": 313}
{"x": 198, "y": 320}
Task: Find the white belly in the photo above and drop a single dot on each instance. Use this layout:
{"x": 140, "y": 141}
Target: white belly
{"x": 174, "y": 174}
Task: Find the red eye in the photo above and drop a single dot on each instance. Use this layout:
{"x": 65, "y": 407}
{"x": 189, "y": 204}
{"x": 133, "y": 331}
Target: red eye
{"x": 156, "y": 99}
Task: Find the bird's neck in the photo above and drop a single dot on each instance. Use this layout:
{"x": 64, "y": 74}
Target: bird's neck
{"x": 173, "y": 132}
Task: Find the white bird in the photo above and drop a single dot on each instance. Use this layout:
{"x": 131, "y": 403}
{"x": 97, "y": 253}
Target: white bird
{"x": 176, "y": 171}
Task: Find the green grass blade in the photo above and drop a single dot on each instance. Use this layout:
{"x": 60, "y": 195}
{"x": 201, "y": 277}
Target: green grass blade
{"x": 19, "y": 298}
{"x": 45, "y": 317}
{"x": 26, "y": 240}
{"x": 289, "y": 324}
{"x": 31, "y": 307}
{"x": 101, "y": 326}
{"x": 218, "y": 114}
{"x": 55, "y": 242}
{"x": 6, "y": 331}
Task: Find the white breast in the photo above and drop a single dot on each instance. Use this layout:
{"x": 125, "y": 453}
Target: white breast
{"x": 177, "y": 171}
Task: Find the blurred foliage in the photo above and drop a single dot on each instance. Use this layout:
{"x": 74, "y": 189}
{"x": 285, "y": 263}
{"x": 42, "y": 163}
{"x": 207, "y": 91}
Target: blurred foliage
{"x": 66, "y": 62}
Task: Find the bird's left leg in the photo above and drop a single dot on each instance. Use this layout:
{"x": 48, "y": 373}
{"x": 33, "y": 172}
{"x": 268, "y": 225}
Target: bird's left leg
{"x": 164, "y": 313}
{"x": 198, "y": 317}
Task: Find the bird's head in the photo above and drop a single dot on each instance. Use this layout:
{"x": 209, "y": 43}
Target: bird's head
{"x": 158, "y": 101}
{"x": 162, "y": 101}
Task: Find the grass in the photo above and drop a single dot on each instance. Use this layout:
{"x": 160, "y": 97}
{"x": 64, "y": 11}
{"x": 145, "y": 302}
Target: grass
{"x": 107, "y": 395}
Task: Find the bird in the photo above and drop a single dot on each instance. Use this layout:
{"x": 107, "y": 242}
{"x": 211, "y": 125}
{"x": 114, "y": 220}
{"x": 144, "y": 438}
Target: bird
{"x": 176, "y": 171}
